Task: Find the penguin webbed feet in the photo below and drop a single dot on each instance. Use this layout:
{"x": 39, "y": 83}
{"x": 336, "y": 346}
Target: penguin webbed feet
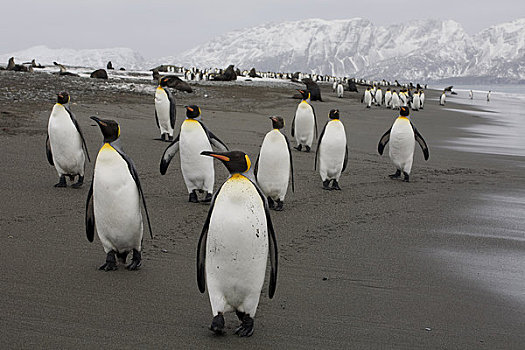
{"x": 111, "y": 262}
{"x": 193, "y": 197}
{"x": 299, "y": 147}
{"x": 61, "y": 182}
{"x": 217, "y": 324}
{"x": 396, "y": 175}
{"x": 406, "y": 178}
{"x": 271, "y": 203}
{"x": 79, "y": 183}
{"x": 335, "y": 186}
{"x": 135, "y": 261}
{"x": 279, "y": 206}
{"x": 326, "y": 185}
{"x": 307, "y": 149}
{"x": 246, "y": 327}
{"x": 208, "y": 198}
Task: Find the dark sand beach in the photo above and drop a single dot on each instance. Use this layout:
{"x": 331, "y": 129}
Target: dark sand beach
{"x": 436, "y": 263}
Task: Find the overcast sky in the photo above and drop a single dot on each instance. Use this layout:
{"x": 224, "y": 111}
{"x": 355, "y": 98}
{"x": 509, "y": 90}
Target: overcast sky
{"x": 159, "y": 28}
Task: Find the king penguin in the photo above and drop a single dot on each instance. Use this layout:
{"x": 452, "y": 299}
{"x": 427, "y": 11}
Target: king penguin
{"x": 304, "y": 124}
{"x": 402, "y": 136}
{"x": 443, "y": 98}
{"x": 367, "y": 98}
{"x": 233, "y": 247}
{"x": 416, "y": 102}
{"x": 198, "y": 171}
{"x": 395, "y": 100}
{"x": 332, "y": 151}
{"x": 340, "y": 90}
{"x": 65, "y": 145}
{"x": 274, "y": 165}
{"x": 113, "y": 202}
{"x": 422, "y": 99}
{"x": 379, "y": 96}
{"x": 388, "y": 98}
{"x": 165, "y": 111}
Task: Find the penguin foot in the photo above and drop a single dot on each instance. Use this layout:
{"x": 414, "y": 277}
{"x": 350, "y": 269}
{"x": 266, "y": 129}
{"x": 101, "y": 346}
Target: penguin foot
{"x": 170, "y": 138}
{"x": 193, "y": 197}
{"x": 407, "y": 177}
{"x": 208, "y": 198}
{"x": 307, "y": 149}
{"x": 246, "y": 327}
{"x": 79, "y": 183}
{"x": 396, "y": 175}
{"x": 279, "y": 206}
{"x": 335, "y": 186}
{"x": 217, "y": 324}
{"x": 135, "y": 261}
{"x": 299, "y": 147}
{"x": 111, "y": 262}
{"x": 326, "y": 185}
{"x": 164, "y": 137}
{"x": 61, "y": 182}
{"x": 271, "y": 203}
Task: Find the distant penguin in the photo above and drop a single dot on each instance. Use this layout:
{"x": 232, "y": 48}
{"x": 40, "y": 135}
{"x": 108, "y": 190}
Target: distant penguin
{"x": 332, "y": 151}
{"x": 274, "y": 165}
{"x": 471, "y": 95}
{"x": 65, "y": 145}
{"x": 488, "y": 96}
{"x": 367, "y": 98}
{"x": 334, "y": 86}
{"x": 442, "y": 99}
{"x": 304, "y": 124}
{"x": 165, "y": 110}
{"x": 379, "y": 97}
{"x": 422, "y": 99}
{"x": 340, "y": 90}
{"x": 402, "y": 136}
{"x": 198, "y": 171}
{"x": 416, "y": 102}
{"x": 113, "y": 202}
{"x": 403, "y": 98}
{"x": 388, "y": 98}
{"x": 233, "y": 247}
{"x": 395, "y": 100}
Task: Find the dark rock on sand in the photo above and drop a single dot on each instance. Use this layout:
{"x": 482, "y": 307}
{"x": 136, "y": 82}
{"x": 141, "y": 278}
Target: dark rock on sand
{"x": 99, "y": 74}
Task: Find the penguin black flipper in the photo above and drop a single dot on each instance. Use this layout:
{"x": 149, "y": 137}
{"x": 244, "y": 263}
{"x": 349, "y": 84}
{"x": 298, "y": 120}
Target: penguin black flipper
{"x": 73, "y": 119}
{"x": 90, "y": 215}
{"x": 168, "y": 154}
{"x": 272, "y": 244}
{"x": 48, "y": 151}
{"x": 293, "y": 126}
{"x": 214, "y": 140}
{"x": 256, "y": 166}
{"x": 319, "y": 144}
{"x": 383, "y": 141}
{"x": 135, "y": 176}
{"x": 172, "y": 108}
{"x": 421, "y": 142}
{"x": 315, "y": 120}
{"x": 157, "y": 119}
{"x": 345, "y": 162}
{"x": 291, "y": 161}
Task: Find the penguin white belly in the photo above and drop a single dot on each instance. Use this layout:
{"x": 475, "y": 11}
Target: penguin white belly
{"x": 66, "y": 143}
{"x": 403, "y": 100}
{"x": 304, "y": 124}
{"x": 416, "y": 103}
{"x": 340, "y": 90}
{"x": 422, "y": 100}
{"x": 388, "y": 99}
{"x": 332, "y": 151}
{"x": 197, "y": 170}
{"x": 379, "y": 97}
{"x": 395, "y": 101}
{"x": 368, "y": 98}
{"x": 274, "y": 166}
{"x": 402, "y": 143}
{"x": 116, "y": 206}
{"x": 236, "y": 248}
{"x": 162, "y": 107}
{"x": 442, "y": 99}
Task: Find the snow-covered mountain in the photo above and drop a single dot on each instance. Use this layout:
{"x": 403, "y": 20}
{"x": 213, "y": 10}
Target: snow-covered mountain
{"x": 93, "y": 58}
{"x": 419, "y": 50}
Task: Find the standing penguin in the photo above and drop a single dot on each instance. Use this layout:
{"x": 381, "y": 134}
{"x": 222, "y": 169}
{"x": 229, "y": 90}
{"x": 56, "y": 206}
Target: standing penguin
{"x": 388, "y": 98}
{"x": 422, "y": 99}
{"x": 65, "y": 144}
{"x": 416, "y": 102}
{"x": 113, "y": 202}
{"x": 274, "y": 165}
{"x": 378, "y": 96}
{"x": 332, "y": 151}
{"x": 443, "y": 98}
{"x": 340, "y": 90}
{"x": 165, "y": 110}
{"x": 367, "y": 98}
{"x": 233, "y": 246}
{"x": 402, "y": 136}
{"x": 304, "y": 124}
{"x": 403, "y": 98}
{"x": 395, "y": 100}
{"x": 198, "y": 171}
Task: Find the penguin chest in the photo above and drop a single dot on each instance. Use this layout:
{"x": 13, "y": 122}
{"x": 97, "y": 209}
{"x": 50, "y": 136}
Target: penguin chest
{"x": 237, "y": 243}
{"x": 193, "y": 140}
{"x": 402, "y": 141}
{"x": 274, "y": 164}
{"x": 162, "y": 107}
{"x": 304, "y": 120}
{"x": 332, "y": 148}
{"x": 118, "y": 219}
{"x": 65, "y": 141}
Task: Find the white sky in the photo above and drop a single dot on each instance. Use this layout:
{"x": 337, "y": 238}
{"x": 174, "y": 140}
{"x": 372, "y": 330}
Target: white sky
{"x": 159, "y": 28}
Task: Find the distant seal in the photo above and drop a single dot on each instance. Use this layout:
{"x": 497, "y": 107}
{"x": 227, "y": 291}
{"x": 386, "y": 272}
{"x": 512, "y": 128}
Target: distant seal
{"x": 315, "y": 91}
{"x": 99, "y": 74}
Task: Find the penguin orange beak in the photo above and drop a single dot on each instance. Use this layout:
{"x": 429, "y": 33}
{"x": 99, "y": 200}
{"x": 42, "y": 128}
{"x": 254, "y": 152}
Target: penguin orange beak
{"x": 273, "y": 118}
{"x": 189, "y": 108}
{"x": 215, "y": 155}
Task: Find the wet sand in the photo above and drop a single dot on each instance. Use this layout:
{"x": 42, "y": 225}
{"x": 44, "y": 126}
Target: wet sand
{"x": 381, "y": 264}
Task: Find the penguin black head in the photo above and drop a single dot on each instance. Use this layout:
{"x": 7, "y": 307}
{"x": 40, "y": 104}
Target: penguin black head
{"x": 404, "y": 111}
{"x": 62, "y": 98}
{"x": 234, "y": 161}
{"x": 334, "y": 114}
{"x": 305, "y": 94}
{"x": 192, "y": 111}
{"x": 277, "y": 122}
{"x": 110, "y": 129}
{"x": 163, "y": 81}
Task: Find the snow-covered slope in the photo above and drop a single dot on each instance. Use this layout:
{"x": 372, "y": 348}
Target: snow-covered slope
{"x": 93, "y": 58}
{"x": 429, "y": 49}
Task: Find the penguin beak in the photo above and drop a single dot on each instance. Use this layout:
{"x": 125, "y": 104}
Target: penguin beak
{"x": 215, "y": 155}
{"x": 98, "y": 120}
{"x": 189, "y": 108}
{"x": 273, "y": 118}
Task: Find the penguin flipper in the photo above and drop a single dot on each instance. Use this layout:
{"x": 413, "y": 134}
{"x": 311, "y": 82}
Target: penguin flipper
{"x": 421, "y": 142}
{"x": 168, "y": 154}
{"x": 315, "y": 121}
{"x": 345, "y": 162}
{"x": 73, "y": 119}
{"x": 319, "y": 145}
{"x": 293, "y": 126}
{"x": 383, "y": 141}
{"x": 48, "y": 151}
{"x": 214, "y": 140}
{"x": 157, "y": 119}
{"x": 256, "y": 166}
{"x": 291, "y": 160}
{"x": 173, "y": 112}
{"x": 90, "y": 215}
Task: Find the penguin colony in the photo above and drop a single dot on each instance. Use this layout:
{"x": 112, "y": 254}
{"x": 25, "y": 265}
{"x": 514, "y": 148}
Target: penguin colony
{"x": 239, "y": 222}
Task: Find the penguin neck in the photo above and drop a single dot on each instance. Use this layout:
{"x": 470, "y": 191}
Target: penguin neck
{"x": 307, "y": 100}
{"x": 237, "y": 176}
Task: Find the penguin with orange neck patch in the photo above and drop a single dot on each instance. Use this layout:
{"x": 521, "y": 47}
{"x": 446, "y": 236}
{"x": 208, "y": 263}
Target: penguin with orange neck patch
{"x": 402, "y": 137}
{"x": 165, "y": 111}
{"x": 234, "y": 245}
{"x": 304, "y": 124}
